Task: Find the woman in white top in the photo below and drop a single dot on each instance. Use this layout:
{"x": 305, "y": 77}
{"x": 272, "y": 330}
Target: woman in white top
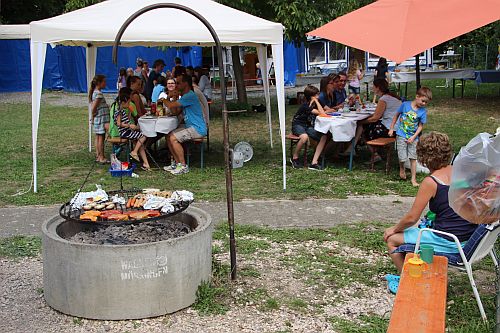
{"x": 378, "y": 124}
{"x": 203, "y": 83}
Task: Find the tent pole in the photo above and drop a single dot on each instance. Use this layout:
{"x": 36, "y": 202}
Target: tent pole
{"x": 227, "y": 160}
{"x": 417, "y": 70}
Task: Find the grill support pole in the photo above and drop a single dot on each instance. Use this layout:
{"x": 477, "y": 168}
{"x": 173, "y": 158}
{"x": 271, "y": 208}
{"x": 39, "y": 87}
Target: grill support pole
{"x": 227, "y": 161}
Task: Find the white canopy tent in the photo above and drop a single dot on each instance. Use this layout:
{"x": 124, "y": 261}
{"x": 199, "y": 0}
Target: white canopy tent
{"x": 15, "y": 31}
{"x": 97, "y": 25}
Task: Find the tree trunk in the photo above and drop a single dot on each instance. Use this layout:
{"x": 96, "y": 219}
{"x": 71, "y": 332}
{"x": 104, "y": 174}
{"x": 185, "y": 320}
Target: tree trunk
{"x": 238, "y": 75}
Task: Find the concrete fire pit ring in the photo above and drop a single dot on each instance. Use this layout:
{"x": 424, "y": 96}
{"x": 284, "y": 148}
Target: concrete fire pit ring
{"x": 115, "y": 282}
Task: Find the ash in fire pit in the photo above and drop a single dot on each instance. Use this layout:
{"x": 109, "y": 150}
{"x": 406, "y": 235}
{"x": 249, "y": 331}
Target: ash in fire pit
{"x": 147, "y": 232}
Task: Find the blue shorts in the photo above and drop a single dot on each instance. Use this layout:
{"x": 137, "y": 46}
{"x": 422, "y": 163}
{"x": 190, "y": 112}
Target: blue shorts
{"x": 440, "y": 244}
{"x": 354, "y": 90}
{"x": 298, "y": 129}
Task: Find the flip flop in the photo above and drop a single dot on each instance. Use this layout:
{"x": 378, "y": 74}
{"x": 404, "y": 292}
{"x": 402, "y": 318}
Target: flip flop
{"x": 145, "y": 169}
{"x": 392, "y": 277}
{"x": 135, "y": 157}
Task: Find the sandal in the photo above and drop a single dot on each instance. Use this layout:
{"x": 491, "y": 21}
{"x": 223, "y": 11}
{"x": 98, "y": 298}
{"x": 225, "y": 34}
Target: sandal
{"x": 393, "y": 286}
{"x": 145, "y": 168}
{"x": 135, "y": 157}
{"x": 392, "y": 283}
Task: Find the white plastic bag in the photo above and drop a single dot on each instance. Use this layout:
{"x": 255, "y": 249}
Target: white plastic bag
{"x": 475, "y": 182}
{"x": 115, "y": 163}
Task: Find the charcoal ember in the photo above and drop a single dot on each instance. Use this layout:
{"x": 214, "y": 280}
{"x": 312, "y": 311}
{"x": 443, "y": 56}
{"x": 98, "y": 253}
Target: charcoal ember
{"x": 147, "y": 232}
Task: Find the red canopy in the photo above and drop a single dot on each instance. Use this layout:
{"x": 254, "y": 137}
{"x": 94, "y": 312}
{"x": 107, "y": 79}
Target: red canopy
{"x": 400, "y": 29}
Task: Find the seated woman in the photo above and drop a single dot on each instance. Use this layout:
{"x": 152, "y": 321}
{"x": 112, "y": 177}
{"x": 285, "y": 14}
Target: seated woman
{"x": 135, "y": 85}
{"x": 327, "y": 87}
{"x": 128, "y": 130}
{"x": 433, "y": 151}
{"x": 378, "y": 124}
{"x": 303, "y": 127}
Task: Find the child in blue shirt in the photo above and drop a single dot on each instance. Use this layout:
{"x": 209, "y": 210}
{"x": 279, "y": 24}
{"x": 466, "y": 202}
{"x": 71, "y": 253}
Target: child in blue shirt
{"x": 158, "y": 88}
{"x": 412, "y": 116}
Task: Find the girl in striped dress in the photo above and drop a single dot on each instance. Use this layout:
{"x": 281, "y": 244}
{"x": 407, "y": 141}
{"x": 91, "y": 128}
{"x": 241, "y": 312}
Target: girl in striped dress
{"x": 128, "y": 130}
{"x": 100, "y": 115}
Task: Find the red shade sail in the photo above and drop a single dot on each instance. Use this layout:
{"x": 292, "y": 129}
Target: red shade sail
{"x": 400, "y": 29}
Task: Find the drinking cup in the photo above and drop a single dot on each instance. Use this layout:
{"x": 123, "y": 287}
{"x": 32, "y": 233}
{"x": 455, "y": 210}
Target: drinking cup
{"x": 426, "y": 253}
{"x": 416, "y": 267}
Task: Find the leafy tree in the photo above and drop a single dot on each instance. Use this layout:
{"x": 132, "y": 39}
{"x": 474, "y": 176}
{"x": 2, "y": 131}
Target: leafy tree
{"x": 77, "y": 4}
{"x": 25, "y": 11}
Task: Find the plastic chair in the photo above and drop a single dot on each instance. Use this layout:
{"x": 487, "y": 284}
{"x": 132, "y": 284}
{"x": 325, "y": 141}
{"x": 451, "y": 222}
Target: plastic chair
{"x": 479, "y": 245}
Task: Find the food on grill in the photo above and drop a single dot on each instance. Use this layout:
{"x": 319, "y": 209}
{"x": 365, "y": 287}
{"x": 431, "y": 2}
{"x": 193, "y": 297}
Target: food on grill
{"x": 108, "y": 213}
{"x": 118, "y": 217}
{"x": 91, "y": 215}
{"x": 152, "y": 213}
{"x": 100, "y": 206}
{"x": 139, "y": 215}
{"x": 87, "y": 207}
{"x": 110, "y": 206}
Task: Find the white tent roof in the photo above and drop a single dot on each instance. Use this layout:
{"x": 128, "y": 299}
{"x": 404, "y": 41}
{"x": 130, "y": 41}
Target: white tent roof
{"x": 15, "y": 31}
{"x": 99, "y": 24}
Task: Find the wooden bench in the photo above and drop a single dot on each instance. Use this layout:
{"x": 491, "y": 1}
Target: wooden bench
{"x": 420, "y": 304}
{"x": 387, "y": 144}
{"x": 293, "y": 142}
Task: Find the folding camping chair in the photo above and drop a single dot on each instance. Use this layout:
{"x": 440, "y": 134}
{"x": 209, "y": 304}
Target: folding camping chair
{"x": 477, "y": 247}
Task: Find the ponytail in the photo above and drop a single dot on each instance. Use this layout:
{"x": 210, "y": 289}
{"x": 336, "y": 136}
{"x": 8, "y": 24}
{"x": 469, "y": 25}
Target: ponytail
{"x": 95, "y": 81}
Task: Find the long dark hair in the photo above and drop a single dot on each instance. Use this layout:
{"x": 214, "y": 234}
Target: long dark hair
{"x": 95, "y": 81}
{"x": 382, "y": 65}
{"x": 131, "y": 79}
{"x": 123, "y": 96}
{"x": 383, "y": 86}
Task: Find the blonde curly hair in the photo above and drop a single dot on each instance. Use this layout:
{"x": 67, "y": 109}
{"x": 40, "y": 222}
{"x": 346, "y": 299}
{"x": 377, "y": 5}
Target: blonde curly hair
{"x": 434, "y": 150}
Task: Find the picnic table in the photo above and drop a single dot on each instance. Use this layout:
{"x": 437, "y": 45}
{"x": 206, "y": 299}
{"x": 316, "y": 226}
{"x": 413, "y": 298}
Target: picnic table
{"x": 343, "y": 127}
{"x": 151, "y": 125}
{"x": 448, "y": 74}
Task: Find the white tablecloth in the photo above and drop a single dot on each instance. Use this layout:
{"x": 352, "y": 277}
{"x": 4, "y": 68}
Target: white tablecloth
{"x": 343, "y": 128}
{"x": 402, "y": 77}
{"x": 150, "y": 125}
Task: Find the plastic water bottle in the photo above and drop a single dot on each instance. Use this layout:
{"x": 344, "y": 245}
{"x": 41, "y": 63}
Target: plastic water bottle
{"x": 346, "y": 105}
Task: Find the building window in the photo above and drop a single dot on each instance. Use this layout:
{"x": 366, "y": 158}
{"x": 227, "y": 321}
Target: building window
{"x": 317, "y": 52}
{"x": 336, "y": 51}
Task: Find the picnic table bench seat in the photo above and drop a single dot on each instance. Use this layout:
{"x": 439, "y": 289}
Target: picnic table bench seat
{"x": 420, "y": 305}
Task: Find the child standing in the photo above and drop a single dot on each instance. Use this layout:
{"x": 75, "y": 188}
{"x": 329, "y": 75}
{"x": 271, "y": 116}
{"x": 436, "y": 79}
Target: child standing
{"x": 122, "y": 79}
{"x": 354, "y": 75}
{"x": 412, "y": 117}
{"x": 100, "y": 115}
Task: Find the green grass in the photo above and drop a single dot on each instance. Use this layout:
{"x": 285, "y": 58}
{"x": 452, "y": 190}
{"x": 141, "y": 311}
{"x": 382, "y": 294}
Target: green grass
{"x": 64, "y": 160}
{"x": 20, "y": 246}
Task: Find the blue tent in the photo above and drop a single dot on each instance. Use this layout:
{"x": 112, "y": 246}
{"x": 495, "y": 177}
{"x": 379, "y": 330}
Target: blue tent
{"x": 65, "y": 65}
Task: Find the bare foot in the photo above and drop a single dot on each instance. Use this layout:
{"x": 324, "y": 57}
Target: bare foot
{"x": 414, "y": 183}
{"x": 402, "y": 174}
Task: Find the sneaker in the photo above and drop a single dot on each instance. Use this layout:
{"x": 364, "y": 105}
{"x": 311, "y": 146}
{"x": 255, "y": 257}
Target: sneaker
{"x": 316, "y": 167}
{"x": 377, "y": 158}
{"x": 180, "y": 169}
{"x": 170, "y": 167}
{"x": 295, "y": 163}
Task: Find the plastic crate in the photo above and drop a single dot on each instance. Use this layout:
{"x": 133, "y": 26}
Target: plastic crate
{"x": 122, "y": 173}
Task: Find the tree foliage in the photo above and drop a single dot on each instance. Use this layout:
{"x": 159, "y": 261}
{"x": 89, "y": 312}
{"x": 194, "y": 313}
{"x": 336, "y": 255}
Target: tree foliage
{"x": 25, "y": 11}
{"x": 297, "y": 16}
{"x": 77, "y": 4}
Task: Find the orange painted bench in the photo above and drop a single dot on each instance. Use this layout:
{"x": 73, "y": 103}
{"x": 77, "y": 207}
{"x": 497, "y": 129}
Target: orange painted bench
{"x": 420, "y": 304}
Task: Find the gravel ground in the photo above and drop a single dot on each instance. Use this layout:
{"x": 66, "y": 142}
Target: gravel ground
{"x": 23, "y": 309}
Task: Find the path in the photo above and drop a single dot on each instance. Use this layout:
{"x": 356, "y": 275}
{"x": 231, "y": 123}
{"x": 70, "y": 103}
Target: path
{"x": 320, "y": 213}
